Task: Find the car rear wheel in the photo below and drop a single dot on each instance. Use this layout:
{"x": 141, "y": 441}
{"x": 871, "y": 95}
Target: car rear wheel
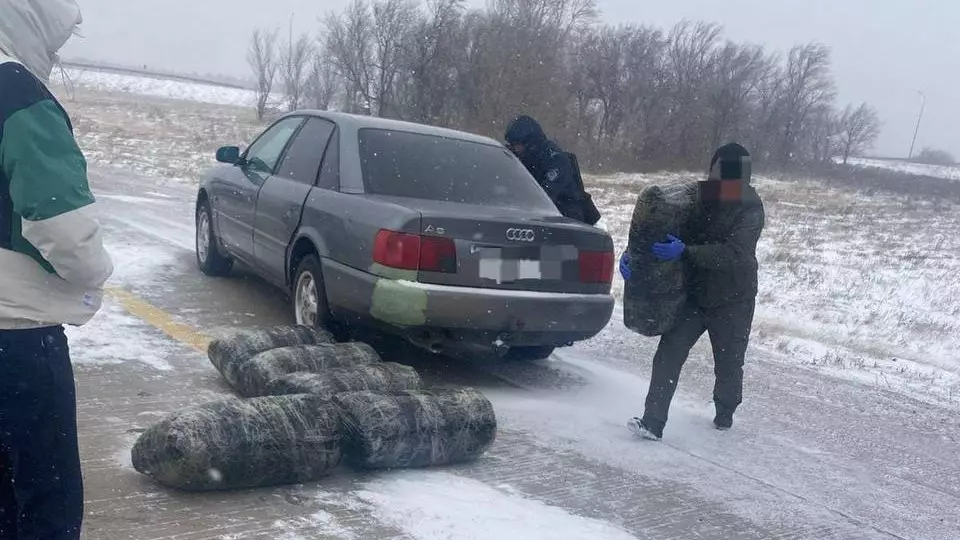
{"x": 209, "y": 258}
{"x": 529, "y": 353}
{"x": 309, "y": 296}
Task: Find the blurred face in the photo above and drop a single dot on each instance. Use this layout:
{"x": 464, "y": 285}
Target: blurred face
{"x": 721, "y": 191}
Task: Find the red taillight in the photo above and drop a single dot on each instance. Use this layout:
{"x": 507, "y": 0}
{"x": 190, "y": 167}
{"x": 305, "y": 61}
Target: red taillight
{"x": 412, "y": 252}
{"x": 596, "y": 266}
{"x": 397, "y": 250}
{"x": 438, "y": 255}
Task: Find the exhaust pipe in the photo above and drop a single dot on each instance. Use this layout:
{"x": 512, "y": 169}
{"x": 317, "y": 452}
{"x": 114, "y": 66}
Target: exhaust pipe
{"x": 429, "y": 340}
{"x": 500, "y": 347}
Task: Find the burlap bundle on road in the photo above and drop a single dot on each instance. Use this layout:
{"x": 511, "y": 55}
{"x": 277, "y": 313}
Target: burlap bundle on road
{"x": 656, "y": 290}
{"x": 385, "y": 377}
{"x": 230, "y": 352}
{"x": 415, "y": 428}
{"x": 254, "y": 376}
{"x": 237, "y": 444}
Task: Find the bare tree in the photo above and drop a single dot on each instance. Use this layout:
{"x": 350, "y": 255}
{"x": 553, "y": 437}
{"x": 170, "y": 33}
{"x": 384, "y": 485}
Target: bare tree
{"x": 348, "y": 47}
{"x": 295, "y": 60}
{"x": 627, "y": 95}
{"x": 393, "y": 22}
{"x": 808, "y": 87}
{"x": 860, "y": 128}
{"x": 322, "y": 82}
{"x": 262, "y": 58}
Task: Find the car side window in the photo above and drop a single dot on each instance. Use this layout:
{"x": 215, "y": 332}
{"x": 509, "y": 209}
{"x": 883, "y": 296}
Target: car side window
{"x": 330, "y": 171}
{"x": 264, "y": 153}
{"x": 301, "y": 162}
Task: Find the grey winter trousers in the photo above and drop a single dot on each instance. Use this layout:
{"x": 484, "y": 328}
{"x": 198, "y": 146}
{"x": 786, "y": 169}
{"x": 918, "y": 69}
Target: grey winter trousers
{"x": 729, "y": 329}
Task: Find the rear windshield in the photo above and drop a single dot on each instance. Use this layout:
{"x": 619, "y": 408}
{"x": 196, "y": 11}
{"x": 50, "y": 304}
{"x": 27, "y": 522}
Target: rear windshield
{"x": 404, "y": 164}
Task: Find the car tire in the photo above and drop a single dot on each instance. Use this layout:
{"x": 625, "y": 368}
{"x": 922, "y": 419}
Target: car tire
{"x": 529, "y": 354}
{"x": 209, "y": 258}
{"x": 309, "y": 298}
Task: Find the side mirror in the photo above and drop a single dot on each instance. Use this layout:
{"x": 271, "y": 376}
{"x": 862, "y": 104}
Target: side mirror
{"x": 228, "y": 154}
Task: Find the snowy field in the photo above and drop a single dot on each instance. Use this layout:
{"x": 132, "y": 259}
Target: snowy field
{"x": 856, "y": 329}
{"x": 861, "y": 287}
{"x": 922, "y": 169}
{"x": 107, "y": 81}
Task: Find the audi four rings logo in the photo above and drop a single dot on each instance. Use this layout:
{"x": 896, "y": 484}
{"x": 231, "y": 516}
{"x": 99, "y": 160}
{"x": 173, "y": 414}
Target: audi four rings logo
{"x": 521, "y": 235}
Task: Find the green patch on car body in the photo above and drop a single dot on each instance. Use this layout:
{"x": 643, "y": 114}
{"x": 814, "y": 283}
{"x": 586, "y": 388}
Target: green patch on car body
{"x": 395, "y": 302}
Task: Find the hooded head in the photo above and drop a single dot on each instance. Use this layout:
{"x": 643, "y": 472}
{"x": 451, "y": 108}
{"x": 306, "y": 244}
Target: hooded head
{"x": 524, "y": 135}
{"x": 32, "y": 31}
{"x": 729, "y": 173}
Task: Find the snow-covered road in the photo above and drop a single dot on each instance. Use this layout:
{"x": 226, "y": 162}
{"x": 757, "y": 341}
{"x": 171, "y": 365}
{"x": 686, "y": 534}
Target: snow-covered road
{"x": 811, "y": 456}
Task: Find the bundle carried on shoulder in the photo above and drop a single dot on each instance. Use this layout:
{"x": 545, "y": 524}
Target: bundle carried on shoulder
{"x": 231, "y": 351}
{"x": 255, "y": 376}
{"x": 237, "y": 444}
{"x": 384, "y": 377}
{"x": 656, "y": 290}
{"x": 415, "y": 428}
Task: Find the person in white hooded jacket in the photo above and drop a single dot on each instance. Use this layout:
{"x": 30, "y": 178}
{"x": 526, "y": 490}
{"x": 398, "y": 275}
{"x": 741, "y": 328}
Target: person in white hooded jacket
{"x": 53, "y": 267}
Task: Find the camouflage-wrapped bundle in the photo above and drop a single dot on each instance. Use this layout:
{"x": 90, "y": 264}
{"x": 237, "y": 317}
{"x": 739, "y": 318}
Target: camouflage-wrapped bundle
{"x": 415, "y": 428}
{"x": 656, "y": 290}
{"x": 237, "y": 444}
{"x": 254, "y": 376}
{"x": 385, "y": 377}
{"x": 230, "y": 352}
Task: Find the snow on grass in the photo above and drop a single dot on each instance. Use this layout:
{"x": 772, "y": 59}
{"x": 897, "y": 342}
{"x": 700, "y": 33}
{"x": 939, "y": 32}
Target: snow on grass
{"x": 948, "y": 172}
{"x": 875, "y": 280}
{"x": 156, "y": 87}
{"x": 173, "y": 142}
{"x": 431, "y": 505}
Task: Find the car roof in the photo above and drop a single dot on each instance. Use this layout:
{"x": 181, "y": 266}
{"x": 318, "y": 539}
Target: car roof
{"x": 355, "y": 122}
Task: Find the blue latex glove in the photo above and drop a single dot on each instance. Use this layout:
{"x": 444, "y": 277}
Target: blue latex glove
{"x": 669, "y": 251}
{"x": 625, "y": 266}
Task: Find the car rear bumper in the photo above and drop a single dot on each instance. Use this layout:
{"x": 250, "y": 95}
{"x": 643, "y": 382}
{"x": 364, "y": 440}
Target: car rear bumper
{"x": 463, "y": 313}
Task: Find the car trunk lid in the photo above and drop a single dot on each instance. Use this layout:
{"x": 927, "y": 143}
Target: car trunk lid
{"x": 509, "y": 249}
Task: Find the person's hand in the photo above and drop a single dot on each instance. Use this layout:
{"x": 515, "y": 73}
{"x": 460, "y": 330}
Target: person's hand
{"x": 669, "y": 251}
{"x": 625, "y": 266}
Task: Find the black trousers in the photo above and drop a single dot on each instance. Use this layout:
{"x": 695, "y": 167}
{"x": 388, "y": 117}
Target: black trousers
{"x": 729, "y": 329}
{"x": 41, "y": 487}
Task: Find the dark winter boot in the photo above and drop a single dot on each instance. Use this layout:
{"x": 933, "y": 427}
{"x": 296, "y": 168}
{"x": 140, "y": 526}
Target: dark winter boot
{"x": 724, "y": 418}
{"x": 644, "y": 429}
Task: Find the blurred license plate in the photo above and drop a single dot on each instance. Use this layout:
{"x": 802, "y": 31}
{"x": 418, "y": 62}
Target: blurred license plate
{"x": 506, "y": 266}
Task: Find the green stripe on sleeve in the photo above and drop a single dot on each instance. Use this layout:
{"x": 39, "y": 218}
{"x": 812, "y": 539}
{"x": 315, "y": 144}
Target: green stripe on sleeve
{"x": 46, "y": 169}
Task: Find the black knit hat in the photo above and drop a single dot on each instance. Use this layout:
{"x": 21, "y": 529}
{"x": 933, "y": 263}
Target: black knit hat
{"x": 524, "y": 130}
{"x": 730, "y": 162}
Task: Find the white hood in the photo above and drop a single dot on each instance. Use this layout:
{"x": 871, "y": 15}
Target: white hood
{"x": 32, "y": 31}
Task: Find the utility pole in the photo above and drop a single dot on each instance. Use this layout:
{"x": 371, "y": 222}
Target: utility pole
{"x": 923, "y": 103}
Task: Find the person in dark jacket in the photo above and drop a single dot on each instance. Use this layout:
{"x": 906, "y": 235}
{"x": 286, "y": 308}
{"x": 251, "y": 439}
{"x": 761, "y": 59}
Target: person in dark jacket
{"x": 719, "y": 249}
{"x": 548, "y": 164}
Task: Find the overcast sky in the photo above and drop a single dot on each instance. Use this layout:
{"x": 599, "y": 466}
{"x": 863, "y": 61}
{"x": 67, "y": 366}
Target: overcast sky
{"x": 884, "y": 51}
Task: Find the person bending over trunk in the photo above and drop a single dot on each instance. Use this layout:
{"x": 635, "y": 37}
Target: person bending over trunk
{"x": 53, "y": 267}
{"x": 548, "y": 164}
{"x": 719, "y": 248}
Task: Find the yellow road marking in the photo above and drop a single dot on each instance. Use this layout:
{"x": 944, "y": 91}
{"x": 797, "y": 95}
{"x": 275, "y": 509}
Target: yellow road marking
{"x": 159, "y": 319}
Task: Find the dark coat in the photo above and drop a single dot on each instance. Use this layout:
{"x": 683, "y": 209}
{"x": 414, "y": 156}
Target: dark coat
{"x": 549, "y": 165}
{"x": 722, "y": 235}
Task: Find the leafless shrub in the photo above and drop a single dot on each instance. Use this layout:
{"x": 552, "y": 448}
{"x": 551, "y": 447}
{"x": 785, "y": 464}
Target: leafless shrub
{"x": 860, "y": 128}
{"x": 935, "y": 156}
{"x": 262, "y": 58}
{"x": 295, "y": 60}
